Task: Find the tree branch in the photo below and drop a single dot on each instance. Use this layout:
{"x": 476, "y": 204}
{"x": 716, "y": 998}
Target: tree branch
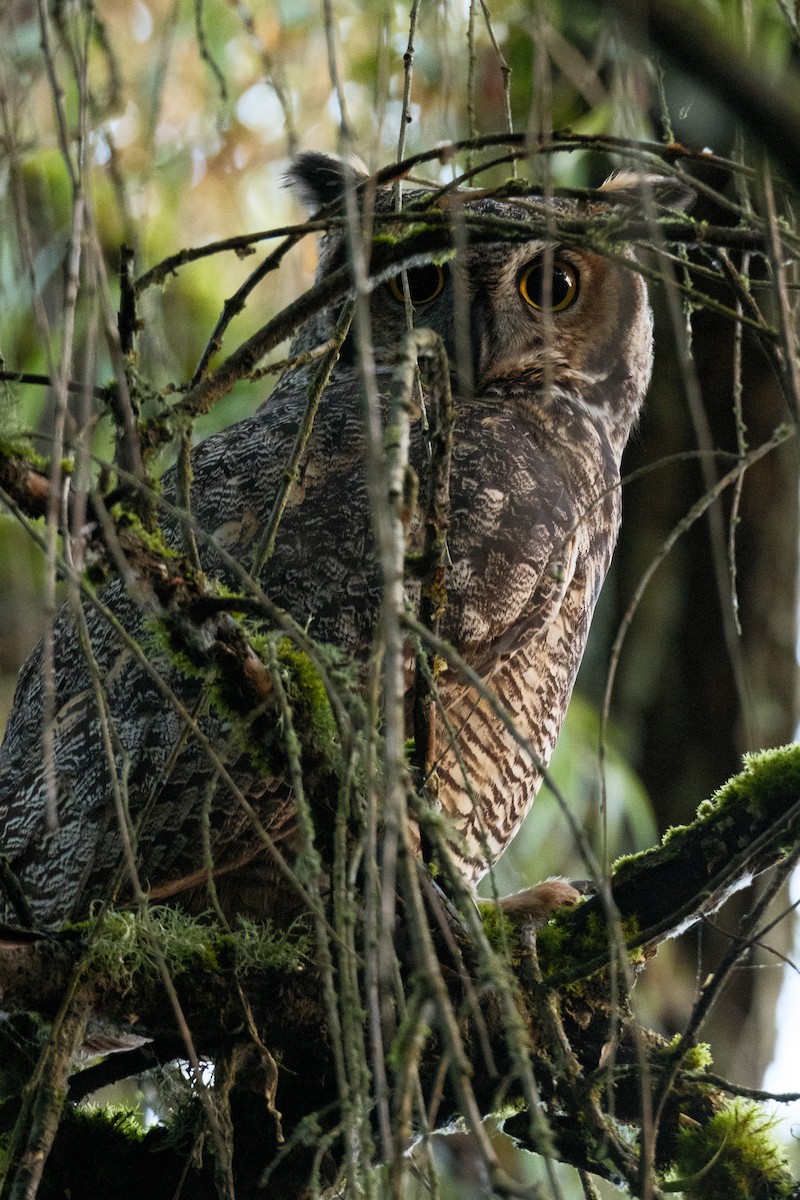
{"x": 751, "y": 823}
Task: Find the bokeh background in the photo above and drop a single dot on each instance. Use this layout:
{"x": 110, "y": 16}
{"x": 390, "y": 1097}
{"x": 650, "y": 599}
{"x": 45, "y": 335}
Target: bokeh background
{"x": 194, "y": 112}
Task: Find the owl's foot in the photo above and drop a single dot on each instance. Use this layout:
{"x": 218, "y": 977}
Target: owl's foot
{"x": 539, "y": 902}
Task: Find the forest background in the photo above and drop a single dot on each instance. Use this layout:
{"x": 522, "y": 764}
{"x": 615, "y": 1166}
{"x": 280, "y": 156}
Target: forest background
{"x": 181, "y": 136}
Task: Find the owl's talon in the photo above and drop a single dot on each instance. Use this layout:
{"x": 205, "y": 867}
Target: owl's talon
{"x": 586, "y": 887}
{"x": 538, "y": 903}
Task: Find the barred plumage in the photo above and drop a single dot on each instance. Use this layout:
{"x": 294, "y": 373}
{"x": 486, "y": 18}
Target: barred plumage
{"x": 560, "y": 347}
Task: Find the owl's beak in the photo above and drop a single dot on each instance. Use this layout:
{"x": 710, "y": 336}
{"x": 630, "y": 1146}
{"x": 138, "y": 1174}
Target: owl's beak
{"x": 481, "y": 328}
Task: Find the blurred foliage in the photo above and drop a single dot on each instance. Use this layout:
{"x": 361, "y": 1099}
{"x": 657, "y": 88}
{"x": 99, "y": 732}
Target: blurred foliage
{"x": 194, "y": 112}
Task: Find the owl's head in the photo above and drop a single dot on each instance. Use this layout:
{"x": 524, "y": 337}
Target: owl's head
{"x": 542, "y": 314}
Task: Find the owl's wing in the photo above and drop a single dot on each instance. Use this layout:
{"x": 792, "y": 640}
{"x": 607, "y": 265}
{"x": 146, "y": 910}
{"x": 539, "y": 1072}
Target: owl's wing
{"x": 139, "y": 755}
{"x": 515, "y": 554}
{"x": 54, "y": 858}
{"x": 524, "y": 532}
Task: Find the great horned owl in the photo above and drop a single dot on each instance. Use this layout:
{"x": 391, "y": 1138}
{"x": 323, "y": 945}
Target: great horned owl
{"x": 551, "y": 348}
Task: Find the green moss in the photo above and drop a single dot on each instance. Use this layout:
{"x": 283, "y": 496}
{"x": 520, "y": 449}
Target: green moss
{"x": 125, "y": 945}
{"x": 698, "y": 1058}
{"x": 314, "y": 719}
{"x": 733, "y": 1157}
{"x": 164, "y": 639}
{"x": 563, "y": 951}
{"x": 769, "y": 776}
{"x": 551, "y": 942}
{"x": 501, "y": 933}
{"x": 763, "y": 789}
{"x": 260, "y": 946}
{"x": 258, "y": 729}
{"x": 695, "y": 1058}
{"x": 394, "y": 235}
{"x": 20, "y": 447}
{"x": 767, "y": 779}
{"x": 264, "y": 736}
{"x": 152, "y": 539}
{"x": 102, "y": 1152}
{"x": 121, "y": 1118}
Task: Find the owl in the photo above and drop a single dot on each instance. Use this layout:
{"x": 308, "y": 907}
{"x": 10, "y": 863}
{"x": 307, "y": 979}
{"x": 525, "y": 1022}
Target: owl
{"x": 549, "y": 346}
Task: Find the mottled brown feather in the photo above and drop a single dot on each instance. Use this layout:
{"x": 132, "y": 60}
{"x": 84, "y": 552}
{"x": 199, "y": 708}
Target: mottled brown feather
{"x": 535, "y": 514}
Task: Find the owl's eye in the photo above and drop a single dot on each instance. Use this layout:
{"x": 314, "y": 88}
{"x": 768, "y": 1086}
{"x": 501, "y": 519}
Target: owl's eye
{"x": 424, "y": 284}
{"x": 563, "y": 290}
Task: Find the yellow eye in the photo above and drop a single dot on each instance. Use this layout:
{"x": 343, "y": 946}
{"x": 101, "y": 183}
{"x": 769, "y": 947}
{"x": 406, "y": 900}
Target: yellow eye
{"x": 424, "y": 284}
{"x": 563, "y": 289}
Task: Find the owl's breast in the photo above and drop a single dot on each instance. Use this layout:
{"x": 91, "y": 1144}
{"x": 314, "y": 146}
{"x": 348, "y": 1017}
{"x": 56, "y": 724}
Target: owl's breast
{"x": 533, "y": 527}
{"x": 528, "y": 512}
{"x": 493, "y": 756}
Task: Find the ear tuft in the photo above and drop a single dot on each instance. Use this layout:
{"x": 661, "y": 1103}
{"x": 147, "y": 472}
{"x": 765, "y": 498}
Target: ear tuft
{"x": 665, "y": 189}
{"x": 321, "y": 179}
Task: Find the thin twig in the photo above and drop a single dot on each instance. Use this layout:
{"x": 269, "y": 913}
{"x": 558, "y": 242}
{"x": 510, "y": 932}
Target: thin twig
{"x": 505, "y": 72}
{"x": 712, "y": 988}
{"x": 408, "y": 75}
{"x": 346, "y": 131}
{"x": 266, "y": 543}
{"x": 205, "y": 51}
{"x": 781, "y": 434}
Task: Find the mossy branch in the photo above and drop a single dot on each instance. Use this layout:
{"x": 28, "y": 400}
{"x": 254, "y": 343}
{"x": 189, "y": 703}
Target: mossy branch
{"x": 748, "y": 825}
